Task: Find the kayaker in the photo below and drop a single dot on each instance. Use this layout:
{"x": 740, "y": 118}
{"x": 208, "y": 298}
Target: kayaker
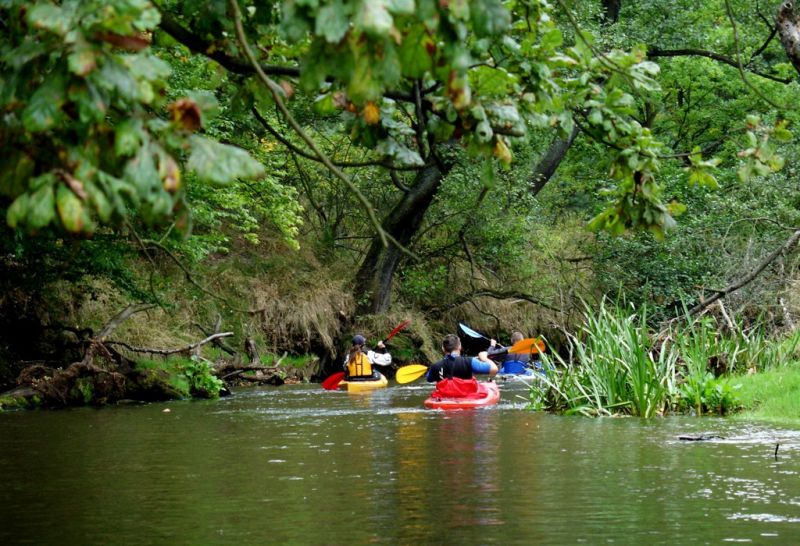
{"x": 359, "y": 361}
{"x": 513, "y": 363}
{"x": 455, "y": 365}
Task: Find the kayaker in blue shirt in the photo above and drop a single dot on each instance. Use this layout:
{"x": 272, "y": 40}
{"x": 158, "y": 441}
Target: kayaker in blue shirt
{"x": 455, "y": 365}
{"x": 513, "y": 363}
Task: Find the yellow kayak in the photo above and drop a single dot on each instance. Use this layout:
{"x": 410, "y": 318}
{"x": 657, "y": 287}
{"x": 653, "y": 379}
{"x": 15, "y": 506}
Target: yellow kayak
{"x": 363, "y": 386}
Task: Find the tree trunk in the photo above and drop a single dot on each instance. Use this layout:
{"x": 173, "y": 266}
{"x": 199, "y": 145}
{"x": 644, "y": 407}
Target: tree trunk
{"x": 552, "y": 159}
{"x": 374, "y": 278}
{"x": 789, "y": 31}
{"x": 611, "y": 11}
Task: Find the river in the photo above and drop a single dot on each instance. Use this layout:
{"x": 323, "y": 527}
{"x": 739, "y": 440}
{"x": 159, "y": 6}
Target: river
{"x": 301, "y": 465}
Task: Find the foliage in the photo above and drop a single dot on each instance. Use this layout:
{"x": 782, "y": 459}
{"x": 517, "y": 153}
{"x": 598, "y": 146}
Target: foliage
{"x": 83, "y": 142}
{"x": 189, "y": 376}
{"x": 613, "y": 368}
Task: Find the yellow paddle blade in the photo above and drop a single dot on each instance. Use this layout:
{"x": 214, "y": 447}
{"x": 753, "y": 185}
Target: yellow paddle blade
{"x": 410, "y": 373}
{"x": 531, "y": 345}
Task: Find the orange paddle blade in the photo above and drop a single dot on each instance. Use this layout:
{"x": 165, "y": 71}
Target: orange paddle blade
{"x": 531, "y": 345}
{"x": 410, "y": 373}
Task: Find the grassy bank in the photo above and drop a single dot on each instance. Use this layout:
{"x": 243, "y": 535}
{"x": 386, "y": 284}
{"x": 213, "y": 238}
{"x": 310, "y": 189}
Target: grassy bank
{"x": 771, "y": 395}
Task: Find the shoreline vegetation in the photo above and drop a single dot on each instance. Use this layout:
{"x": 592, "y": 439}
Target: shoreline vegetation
{"x": 614, "y": 364}
{"x": 199, "y": 195}
{"x": 618, "y": 366}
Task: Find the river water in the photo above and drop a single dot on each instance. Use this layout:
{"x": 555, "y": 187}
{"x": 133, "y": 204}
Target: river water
{"x": 301, "y": 465}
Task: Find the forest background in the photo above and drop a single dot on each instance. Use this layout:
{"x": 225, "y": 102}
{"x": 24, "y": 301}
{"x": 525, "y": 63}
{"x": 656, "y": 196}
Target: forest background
{"x": 294, "y": 172}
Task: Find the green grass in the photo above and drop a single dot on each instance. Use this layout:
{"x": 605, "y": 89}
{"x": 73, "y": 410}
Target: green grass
{"x": 288, "y": 361}
{"x": 771, "y": 395}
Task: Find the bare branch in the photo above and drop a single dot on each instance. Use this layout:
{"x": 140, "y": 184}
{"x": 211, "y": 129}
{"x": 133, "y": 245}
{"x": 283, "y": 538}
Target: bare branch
{"x": 308, "y": 155}
{"x": 690, "y": 52}
{"x": 187, "y": 349}
{"x": 719, "y": 294}
{"x": 121, "y": 317}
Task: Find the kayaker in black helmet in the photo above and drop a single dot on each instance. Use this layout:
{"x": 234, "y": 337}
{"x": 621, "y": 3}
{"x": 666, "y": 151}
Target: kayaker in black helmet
{"x": 359, "y": 361}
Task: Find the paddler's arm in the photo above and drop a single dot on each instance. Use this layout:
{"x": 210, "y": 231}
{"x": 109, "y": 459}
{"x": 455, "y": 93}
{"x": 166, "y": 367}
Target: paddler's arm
{"x": 482, "y": 364}
{"x": 380, "y": 359}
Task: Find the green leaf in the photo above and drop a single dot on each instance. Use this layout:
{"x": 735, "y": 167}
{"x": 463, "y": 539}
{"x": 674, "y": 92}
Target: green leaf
{"x": 324, "y": 105}
{"x": 15, "y": 169}
{"x": 492, "y": 81}
{"x": 70, "y": 210}
{"x": 220, "y": 163}
{"x": 401, "y": 153}
{"x": 364, "y": 86}
{"x": 127, "y": 137}
{"x": 401, "y": 7}
{"x": 374, "y": 17}
{"x": 81, "y": 60}
{"x": 487, "y": 173}
{"x": 141, "y": 171}
{"x": 101, "y": 203}
{"x": 114, "y": 77}
{"x": 18, "y": 211}
{"x": 45, "y": 15}
{"x": 781, "y": 133}
{"x": 41, "y": 207}
{"x": 332, "y": 22}
{"x": 489, "y": 17}
{"x": 552, "y": 39}
{"x": 44, "y": 109}
{"x": 415, "y": 58}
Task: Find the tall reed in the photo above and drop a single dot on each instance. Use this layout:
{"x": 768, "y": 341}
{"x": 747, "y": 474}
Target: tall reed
{"x": 612, "y": 368}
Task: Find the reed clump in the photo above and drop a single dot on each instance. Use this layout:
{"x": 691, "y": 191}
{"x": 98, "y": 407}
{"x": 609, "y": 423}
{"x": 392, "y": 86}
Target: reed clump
{"x": 617, "y": 364}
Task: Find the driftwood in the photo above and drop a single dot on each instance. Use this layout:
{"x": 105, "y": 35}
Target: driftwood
{"x": 217, "y": 342}
{"x": 111, "y": 379}
{"x": 228, "y": 371}
{"x": 701, "y": 438}
{"x": 242, "y": 369}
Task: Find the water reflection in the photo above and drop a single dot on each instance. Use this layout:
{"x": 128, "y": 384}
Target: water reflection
{"x": 302, "y": 465}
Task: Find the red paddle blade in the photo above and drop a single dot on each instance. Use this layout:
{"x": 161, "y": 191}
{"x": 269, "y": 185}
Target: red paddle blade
{"x": 397, "y": 329}
{"x": 332, "y": 382}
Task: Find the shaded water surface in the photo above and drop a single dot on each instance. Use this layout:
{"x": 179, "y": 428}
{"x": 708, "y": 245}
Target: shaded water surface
{"x": 300, "y": 465}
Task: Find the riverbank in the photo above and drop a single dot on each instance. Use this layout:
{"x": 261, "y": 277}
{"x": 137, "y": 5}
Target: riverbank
{"x": 771, "y": 395}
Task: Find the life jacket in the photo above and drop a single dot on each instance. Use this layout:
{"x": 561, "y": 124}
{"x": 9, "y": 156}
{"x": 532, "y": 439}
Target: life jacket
{"x": 359, "y": 366}
{"x": 459, "y": 388}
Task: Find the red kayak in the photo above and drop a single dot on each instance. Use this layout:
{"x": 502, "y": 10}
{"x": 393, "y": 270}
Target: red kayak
{"x": 483, "y": 394}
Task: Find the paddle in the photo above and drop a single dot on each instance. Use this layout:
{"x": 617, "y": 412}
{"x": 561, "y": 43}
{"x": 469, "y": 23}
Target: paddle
{"x": 531, "y": 345}
{"x": 470, "y": 332}
{"x": 410, "y": 373}
{"x": 396, "y": 329}
{"x": 332, "y": 382}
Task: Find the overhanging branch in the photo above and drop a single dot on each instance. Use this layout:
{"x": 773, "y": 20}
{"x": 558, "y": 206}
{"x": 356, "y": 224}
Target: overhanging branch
{"x": 691, "y": 52}
{"x": 747, "y": 279}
